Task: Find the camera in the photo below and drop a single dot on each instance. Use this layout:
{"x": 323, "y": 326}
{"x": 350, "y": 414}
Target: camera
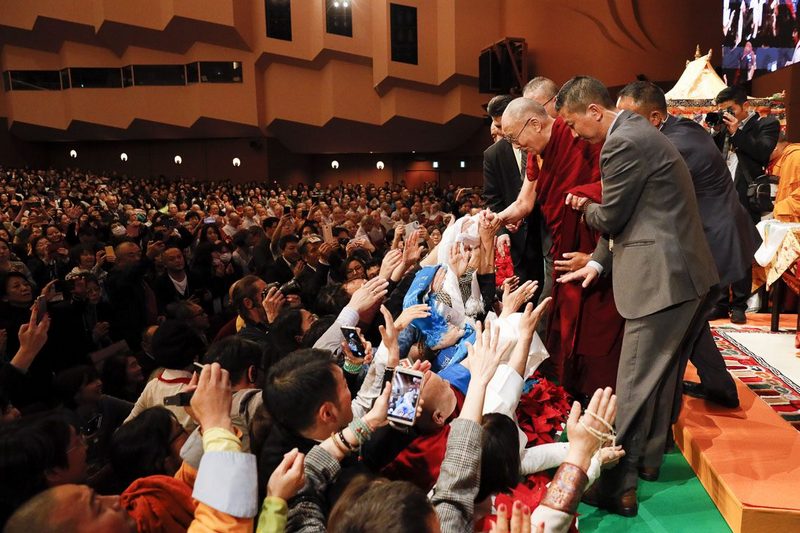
{"x": 290, "y": 287}
{"x": 713, "y": 118}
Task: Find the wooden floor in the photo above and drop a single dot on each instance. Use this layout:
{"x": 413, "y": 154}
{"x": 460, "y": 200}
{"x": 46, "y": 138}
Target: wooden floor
{"x": 748, "y": 459}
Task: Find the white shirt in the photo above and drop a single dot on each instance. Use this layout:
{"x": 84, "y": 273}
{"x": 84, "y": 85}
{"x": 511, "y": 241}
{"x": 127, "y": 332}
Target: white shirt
{"x": 180, "y": 286}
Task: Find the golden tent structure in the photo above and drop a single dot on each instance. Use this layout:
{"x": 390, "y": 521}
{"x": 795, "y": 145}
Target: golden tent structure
{"x": 694, "y": 92}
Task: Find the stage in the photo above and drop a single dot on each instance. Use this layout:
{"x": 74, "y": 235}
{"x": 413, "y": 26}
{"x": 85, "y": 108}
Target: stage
{"x": 737, "y": 469}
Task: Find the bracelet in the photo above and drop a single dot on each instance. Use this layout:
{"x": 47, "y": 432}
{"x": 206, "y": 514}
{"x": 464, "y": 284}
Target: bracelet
{"x": 340, "y": 446}
{"x": 566, "y": 489}
{"x": 361, "y": 430}
{"x": 351, "y": 367}
{"x": 349, "y": 446}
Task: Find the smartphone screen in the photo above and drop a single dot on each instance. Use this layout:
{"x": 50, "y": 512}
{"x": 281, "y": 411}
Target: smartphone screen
{"x": 411, "y": 227}
{"x": 110, "y": 251}
{"x": 404, "y": 400}
{"x": 354, "y": 342}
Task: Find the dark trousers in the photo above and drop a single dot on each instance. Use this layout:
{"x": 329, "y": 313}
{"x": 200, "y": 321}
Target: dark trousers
{"x": 526, "y": 250}
{"x": 736, "y": 294}
{"x": 647, "y": 382}
{"x": 706, "y": 357}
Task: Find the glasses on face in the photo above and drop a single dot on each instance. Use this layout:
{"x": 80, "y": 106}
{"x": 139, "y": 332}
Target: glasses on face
{"x": 549, "y": 100}
{"x": 514, "y": 139}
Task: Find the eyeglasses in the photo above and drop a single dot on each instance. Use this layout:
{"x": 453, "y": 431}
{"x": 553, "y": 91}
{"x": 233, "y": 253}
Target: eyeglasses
{"x": 549, "y": 100}
{"x": 514, "y": 139}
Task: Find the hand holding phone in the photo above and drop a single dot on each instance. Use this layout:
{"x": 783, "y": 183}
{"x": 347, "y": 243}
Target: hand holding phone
{"x": 405, "y": 396}
{"x": 354, "y": 342}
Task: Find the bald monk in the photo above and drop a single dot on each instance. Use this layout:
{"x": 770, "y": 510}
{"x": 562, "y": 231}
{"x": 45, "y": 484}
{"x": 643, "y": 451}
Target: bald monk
{"x": 567, "y": 162}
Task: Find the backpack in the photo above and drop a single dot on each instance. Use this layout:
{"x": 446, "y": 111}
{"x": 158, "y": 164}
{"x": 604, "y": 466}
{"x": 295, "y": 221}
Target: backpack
{"x": 761, "y": 193}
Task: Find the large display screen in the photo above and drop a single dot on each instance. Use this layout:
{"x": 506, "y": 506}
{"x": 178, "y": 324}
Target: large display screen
{"x": 758, "y": 36}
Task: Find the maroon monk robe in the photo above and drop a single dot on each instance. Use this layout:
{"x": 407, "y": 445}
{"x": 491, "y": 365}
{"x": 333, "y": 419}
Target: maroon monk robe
{"x": 567, "y": 161}
{"x": 585, "y": 329}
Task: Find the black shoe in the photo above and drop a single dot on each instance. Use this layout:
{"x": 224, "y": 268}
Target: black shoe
{"x": 738, "y": 316}
{"x": 649, "y": 473}
{"x": 697, "y": 390}
{"x": 694, "y": 389}
{"x": 718, "y": 312}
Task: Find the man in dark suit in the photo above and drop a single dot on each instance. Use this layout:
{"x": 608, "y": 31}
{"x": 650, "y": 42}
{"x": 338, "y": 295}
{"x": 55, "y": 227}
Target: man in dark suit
{"x": 285, "y": 264}
{"x": 727, "y": 225}
{"x": 661, "y": 269}
{"x": 174, "y": 285}
{"x": 503, "y": 175}
{"x": 746, "y": 141}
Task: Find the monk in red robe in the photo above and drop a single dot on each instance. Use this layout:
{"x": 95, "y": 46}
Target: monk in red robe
{"x": 575, "y": 334}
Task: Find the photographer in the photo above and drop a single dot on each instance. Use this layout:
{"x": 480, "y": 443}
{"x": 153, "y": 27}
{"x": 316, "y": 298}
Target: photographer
{"x": 746, "y": 141}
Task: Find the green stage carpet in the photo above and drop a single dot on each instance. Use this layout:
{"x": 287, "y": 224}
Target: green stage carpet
{"x": 677, "y": 502}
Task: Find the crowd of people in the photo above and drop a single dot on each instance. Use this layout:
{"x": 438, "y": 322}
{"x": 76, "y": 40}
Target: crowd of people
{"x": 221, "y": 357}
{"x": 173, "y": 358}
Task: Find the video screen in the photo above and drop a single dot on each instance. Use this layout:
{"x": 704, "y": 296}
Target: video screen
{"x": 405, "y": 396}
{"x": 758, "y": 36}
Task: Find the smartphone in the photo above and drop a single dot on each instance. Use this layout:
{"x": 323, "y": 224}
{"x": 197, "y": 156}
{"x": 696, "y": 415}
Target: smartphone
{"x": 182, "y": 399}
{"x": 91, "y": 427}
{"x": 411, "y": 227}
{"x": 327, "y": 233}
{"x": 209, "y": 220}
{"x": 110, "y": 252}
{"x": 354, "y": 341}
{"x": 41, "y": 308}
{"x": 406, "y": 388}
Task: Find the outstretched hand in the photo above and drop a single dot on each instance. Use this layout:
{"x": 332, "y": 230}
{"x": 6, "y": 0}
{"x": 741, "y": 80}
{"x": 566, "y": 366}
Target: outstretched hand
{"x": 584, "y": 431}
{"x": 586, "y": 275}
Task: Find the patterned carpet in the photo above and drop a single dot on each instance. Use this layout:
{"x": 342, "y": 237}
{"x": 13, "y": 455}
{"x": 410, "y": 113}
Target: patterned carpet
{"x": 756, "y": 369}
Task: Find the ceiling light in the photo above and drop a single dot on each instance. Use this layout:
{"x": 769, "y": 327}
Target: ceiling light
{"x": 237, "y": 162}
{"x": 123, "y": 157}
{"x": 435, "y": 164}
{"x": 178, "y": 160}
{"x": 462, "y": 164}
{"x": 334, "y": 164}
{"x": 379, "y": 165}
{"x": 73, "y": 154}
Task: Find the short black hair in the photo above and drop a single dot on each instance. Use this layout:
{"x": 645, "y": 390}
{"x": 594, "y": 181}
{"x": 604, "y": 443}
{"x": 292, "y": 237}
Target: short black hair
{"x": 70, "y": 381}
{"x": 500, "y": 463}
{"x": 140, "y": 447}
{"x": 298, "y": 385}
{"x": 236, "y": 355}
{"x": 29, "y": 448}
{"x": 286, "y": 239}
{"x": 580, "y": 91}
{"x": 5, "y": 277}
{"x": 737, "y": 94}
{"x": 645, "y": 93}
{"x": 497, "y": 105}
{"x": 270, "y": 222}
{"x": 176, "y": 345}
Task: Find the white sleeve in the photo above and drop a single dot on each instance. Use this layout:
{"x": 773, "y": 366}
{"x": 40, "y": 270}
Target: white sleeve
{"x": 543, "y": 457}
{"x": 503, "y": 392}
{"x": 554, "y": 521}
{"x": 372, "y": 386}
{"x": 228, "y": 482}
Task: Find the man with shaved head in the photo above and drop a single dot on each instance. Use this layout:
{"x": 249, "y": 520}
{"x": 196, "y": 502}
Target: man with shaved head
{"x": 567, "y": 162}
{"x": 503, "y": 176}
{"x": 661, "y": 268}
{"x": 542, "y": 91}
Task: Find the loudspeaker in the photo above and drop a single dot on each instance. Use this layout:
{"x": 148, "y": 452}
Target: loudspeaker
{"x": 498, "y": 71}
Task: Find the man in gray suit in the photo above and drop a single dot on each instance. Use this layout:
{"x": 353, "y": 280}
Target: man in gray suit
{"x": 729, "y": 230}
{"x": 661, "y": 269}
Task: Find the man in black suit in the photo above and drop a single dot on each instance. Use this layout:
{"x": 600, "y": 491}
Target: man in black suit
{"x": 503, "y": 174}
{"x": 746, "y": 141}
{"x": 174, "y": 285}
{"x": 284, "y": 267}
{"x": 727, "y": 225}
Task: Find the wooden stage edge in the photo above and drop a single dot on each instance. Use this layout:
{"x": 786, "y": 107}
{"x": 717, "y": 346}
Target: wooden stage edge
{"x": 748, "y": 460}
